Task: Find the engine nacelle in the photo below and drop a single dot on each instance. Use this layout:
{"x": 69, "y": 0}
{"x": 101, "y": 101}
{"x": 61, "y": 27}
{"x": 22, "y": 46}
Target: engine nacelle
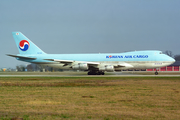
{"x": 80, "y": 66}
{"x": 109, "y": 68}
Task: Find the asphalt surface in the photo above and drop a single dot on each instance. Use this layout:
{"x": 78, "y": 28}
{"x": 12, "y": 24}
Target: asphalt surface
{"x": 84, "y": 74}
{"x": 115, "y": 75}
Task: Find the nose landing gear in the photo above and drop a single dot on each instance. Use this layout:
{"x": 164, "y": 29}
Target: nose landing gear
{"x": 156, "y": 73}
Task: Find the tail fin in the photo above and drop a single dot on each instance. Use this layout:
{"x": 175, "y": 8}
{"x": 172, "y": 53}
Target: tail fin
{"x": 24, "y": 45}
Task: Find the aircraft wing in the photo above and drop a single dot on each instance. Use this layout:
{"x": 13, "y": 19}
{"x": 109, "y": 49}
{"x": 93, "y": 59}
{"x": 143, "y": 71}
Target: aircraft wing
{"x": 89, "y": 63}
{"x": 71, "y": 61}
{"x": 123, "y": 65}
{"x": 21, "y": 57}
{"x": 61, "y": 61}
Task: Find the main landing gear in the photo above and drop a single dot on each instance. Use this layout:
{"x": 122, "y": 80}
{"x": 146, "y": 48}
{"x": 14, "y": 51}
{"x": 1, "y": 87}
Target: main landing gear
{"x": 95, "y": 73}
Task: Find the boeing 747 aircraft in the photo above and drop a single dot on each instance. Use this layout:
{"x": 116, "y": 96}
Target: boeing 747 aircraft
{"x": 95, "y": 64}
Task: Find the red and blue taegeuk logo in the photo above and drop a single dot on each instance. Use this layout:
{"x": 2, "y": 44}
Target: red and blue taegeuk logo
{"x": 24, "y": 45}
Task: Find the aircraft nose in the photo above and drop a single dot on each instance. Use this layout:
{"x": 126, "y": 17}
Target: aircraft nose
{"x": 172, "y": 60}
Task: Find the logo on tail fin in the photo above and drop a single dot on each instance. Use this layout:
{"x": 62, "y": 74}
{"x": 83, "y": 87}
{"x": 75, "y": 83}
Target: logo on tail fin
{"x": 24, "y": 45}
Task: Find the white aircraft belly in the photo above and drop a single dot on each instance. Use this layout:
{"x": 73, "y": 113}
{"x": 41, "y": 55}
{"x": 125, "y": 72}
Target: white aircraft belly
{"x": 132, "y": 65}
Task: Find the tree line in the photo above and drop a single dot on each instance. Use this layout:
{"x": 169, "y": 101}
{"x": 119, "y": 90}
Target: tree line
{"x": 169, "y": 53}
{"x": 35, "y": 67}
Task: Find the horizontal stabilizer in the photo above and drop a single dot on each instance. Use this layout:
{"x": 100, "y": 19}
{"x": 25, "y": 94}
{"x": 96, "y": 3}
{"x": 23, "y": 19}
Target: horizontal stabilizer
{"x": 21, "y": 57}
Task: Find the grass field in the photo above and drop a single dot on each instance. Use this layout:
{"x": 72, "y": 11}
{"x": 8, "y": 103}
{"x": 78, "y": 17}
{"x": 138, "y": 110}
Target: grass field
{"x": 104, "y": 98}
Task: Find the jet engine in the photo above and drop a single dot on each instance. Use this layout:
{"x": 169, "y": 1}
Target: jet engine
{"x": 80, "y": 66}
{"x": 108, "y": 68}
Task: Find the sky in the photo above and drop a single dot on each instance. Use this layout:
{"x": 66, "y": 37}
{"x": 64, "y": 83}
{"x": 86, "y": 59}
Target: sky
{"x": 89, "y": 26}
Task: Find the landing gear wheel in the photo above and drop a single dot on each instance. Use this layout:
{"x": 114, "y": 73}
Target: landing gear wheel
{"x": 98, "y": 73}
{"x": 101, "y": 73}
{"x": 156, "y": 73}
{"x": 92, "y": 73}
{"x": 89, "y": 73}
{"x": 95, "y": 73}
